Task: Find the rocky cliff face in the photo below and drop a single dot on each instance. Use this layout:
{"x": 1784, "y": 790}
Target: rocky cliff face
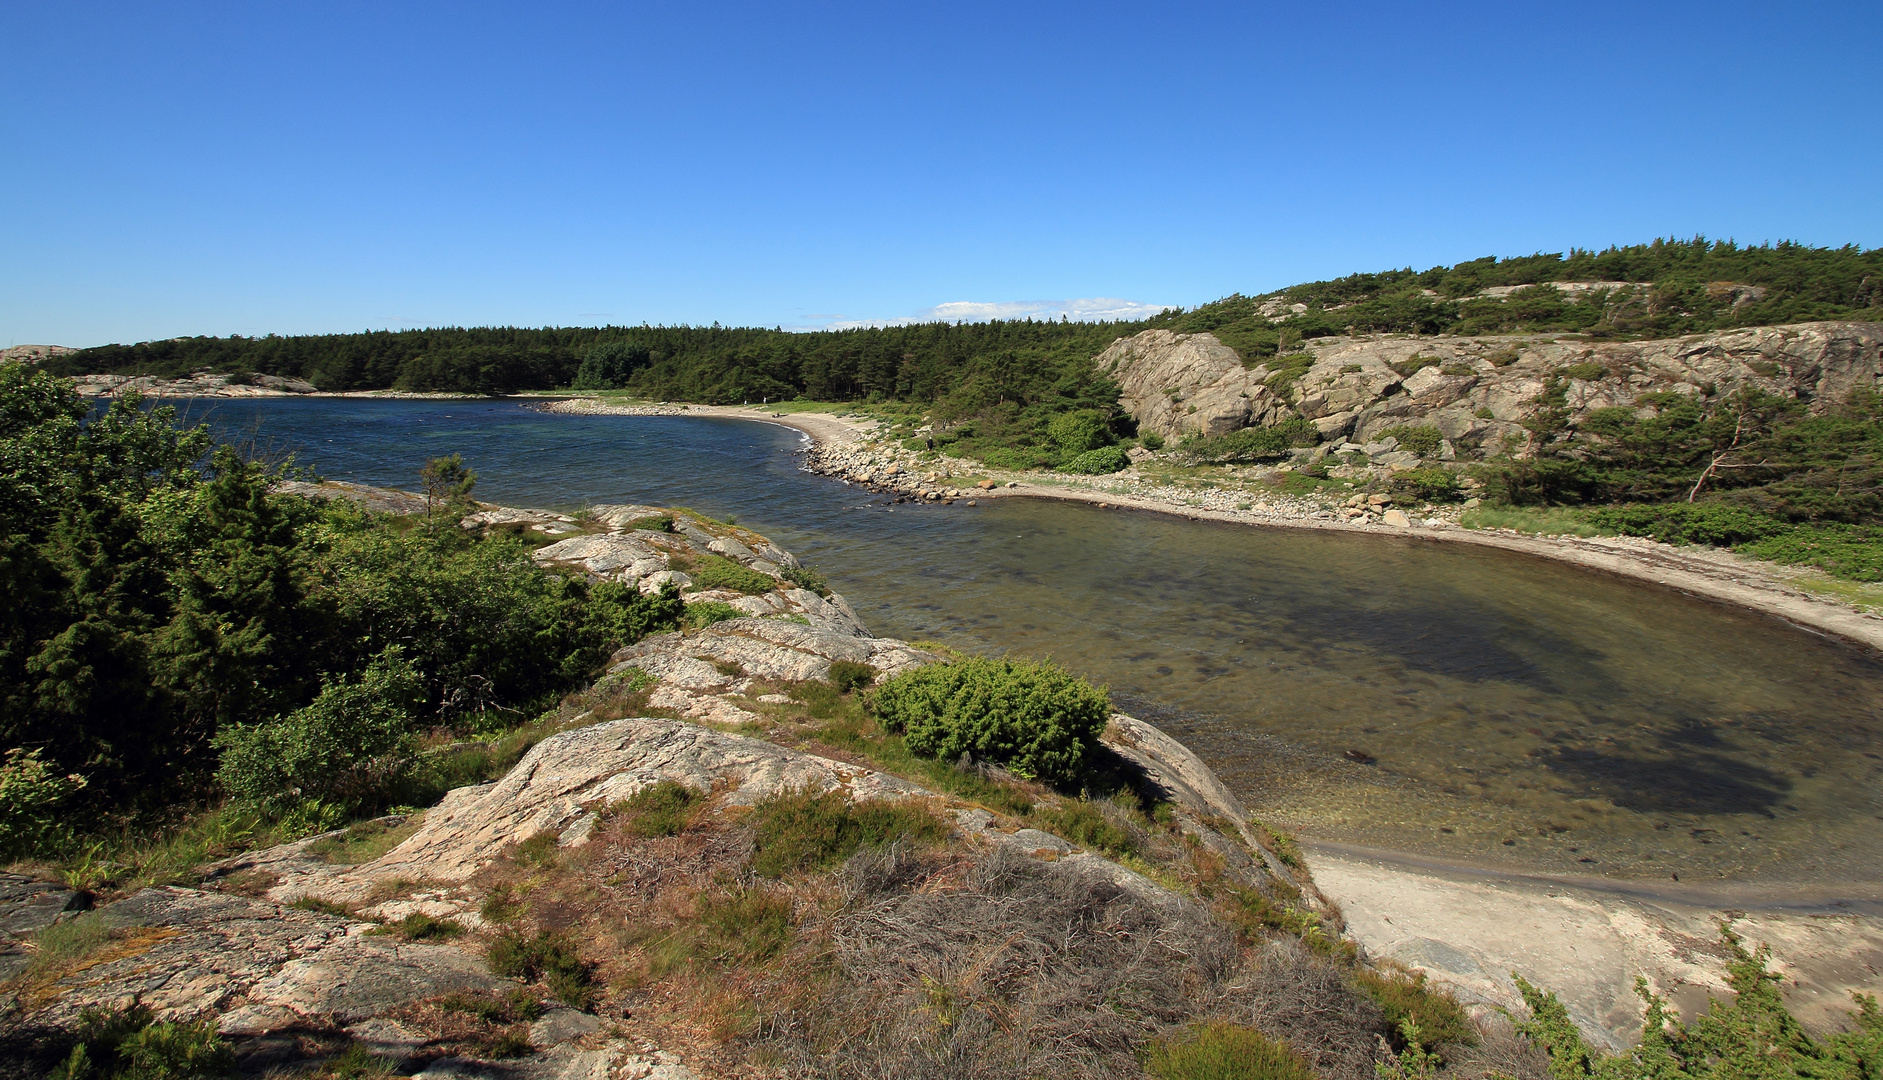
{"x": 1474, "y": 390}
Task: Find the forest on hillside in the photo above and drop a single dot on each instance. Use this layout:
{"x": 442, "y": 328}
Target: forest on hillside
{"x": 1661, "y": 289}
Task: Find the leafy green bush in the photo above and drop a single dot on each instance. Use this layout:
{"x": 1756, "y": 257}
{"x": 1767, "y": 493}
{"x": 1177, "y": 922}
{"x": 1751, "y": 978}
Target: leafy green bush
{"x": 1852, "y": 552}
{"x": 127, "y": 1044}
{"x": 1717, "y": 524}
{"x": 1432, "y": 485}
{"x": 847, "y": 675}
{"x": 1151, "y": 440}
{"x": 1106, "y": 459}
{"x": 1224, "y": 1051}
{"x": 1414, "y": 364}
{"x": 701, "y": 614}
{"x": 808, "y": 830}
{"x": 345, "y": 749}
{"x": 1034, "y": 718}
{"x": 1079, "y": 431}
{"x": 719, "y": 572}
{"x": 1252, "y": 443}
{"x": 1422, "y": 441}
{"x": 1285, "y": 371}
{"x": 32, "y": 794}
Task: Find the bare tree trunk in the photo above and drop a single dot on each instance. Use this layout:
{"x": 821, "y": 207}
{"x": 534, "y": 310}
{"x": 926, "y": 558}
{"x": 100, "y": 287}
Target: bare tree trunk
{"x": 1739, "y": 428}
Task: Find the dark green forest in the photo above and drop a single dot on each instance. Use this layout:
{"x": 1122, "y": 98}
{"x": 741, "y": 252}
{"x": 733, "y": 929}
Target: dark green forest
{"x": 1686, "y": 287}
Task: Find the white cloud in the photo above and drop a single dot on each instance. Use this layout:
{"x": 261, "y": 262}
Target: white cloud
{"x": 1089, "y": 309}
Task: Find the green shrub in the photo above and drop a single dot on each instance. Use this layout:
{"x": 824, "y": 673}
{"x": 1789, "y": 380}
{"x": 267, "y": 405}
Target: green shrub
{"x": 1285, "y": 371}
{"x": 32, "y": 794}
{"x": 549, "y": 956}
{"x": 661, "y": 809}
{"x": 662, "y": 523}
{"x": 1084, "y": 824}
{"x": 1079, "y": 431}
{"x": 1410, "y": 366}
{"x": 127, "y": 1044}
{"x": 805, "y": 830}
{"x": 1432, "y": 485}
{"x": 1404, "y": 996}
{"x": 1253, "y": 443}
{"x": 1750, "y": 1034}
{"x": 806, "y": 578}
{"x": 1423, "y": 441}
{"x": 1588, "y": 372}
{"x": 704, "y": 613}
{"x": 1034, "y": 718}
{"x": 1151, "y": 440}
{"x": 346, "y": 749}
{"x": 518, "y": 1006}
{"x": 1690, "y": 523}
{"x": 847, "y": 675}
{"x": 719, "y": 572}
{"x": 1223, "y": 1051}
{"x": 356, "y": 1062}
{"x": 1106, "y": 459}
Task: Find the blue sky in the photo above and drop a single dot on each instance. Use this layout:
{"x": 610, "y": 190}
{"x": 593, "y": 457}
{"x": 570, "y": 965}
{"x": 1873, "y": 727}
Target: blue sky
{"x": 249, "y": 168}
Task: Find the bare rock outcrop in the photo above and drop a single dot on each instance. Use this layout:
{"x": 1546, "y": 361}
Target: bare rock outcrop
{"x": 1474, "y": 390}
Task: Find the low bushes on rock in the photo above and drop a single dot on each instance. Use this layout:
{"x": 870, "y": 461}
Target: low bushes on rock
{"x": 1252, "y": 443}
{"x": 1423, "y": 441}
{"x": 127, "y": 1044}
{"x": 1404, "y": 996}
{"x": 1034, "y": 718}
{"x": 549, "y": 956}
{"x": 800, "y": 831}
{"x": 661, "y": 809}
{"x": 1431, "y": 485}
{"x": 347, "y": 747}
{"x": 1105, "y": 459}
{"x": 718, "y": 572}
{"x": 1223, "y": 1051}
{"x": 847, "y": 675}
{"x": 31, "y": 795}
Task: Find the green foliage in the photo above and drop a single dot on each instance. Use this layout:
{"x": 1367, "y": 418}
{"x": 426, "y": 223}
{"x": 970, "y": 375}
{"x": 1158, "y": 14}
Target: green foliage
{"x": 1750, "y": 1034}
{"x": 353, "y": 743}
{"x": 63, "y": 942}
{"x": 610, "y": 365}
{"x": 32, "y": 795}
{"x": 1285, "y": 371}
{"x": 356, "y": 1062}
{"x": 1082, "y": 823}
{"x": 164, "y": 593}
{"x": 1587, "y": 372}
{"x": 703, "y": 613}
{"x": 1223, "y": 1051}
{"x": 127, "y": 1044}
{"x": 1252, "y": 443}
{"x": 745, "y": 925}
{"x": 1079, "y": 431}
{"x": 1151, "y": 440}
{"x": 1405, "y": 998}
{"x": 801, "y": 831}
{"x": 1034, "y": 718}
{"x": 518, "y": 1006}
{"x": 848, "y": 675}
{"x": 1423, "y": 441}
{"x": 550, "y": 956}
{"x": 660, "y": 809}
{"x": 1410, "y": 366}
{"x": 447, "y": 484}
{"x": 805, "y": 577}
{"x": 1106, "y": 459}
{"x": 1431, "y": 484}
{"x": 718, "y": 572}
{"x": 1719, "y": 524}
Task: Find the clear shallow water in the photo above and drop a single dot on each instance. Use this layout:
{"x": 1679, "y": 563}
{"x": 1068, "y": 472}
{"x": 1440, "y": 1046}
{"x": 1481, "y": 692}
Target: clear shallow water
{"x": 1504, "y": 710}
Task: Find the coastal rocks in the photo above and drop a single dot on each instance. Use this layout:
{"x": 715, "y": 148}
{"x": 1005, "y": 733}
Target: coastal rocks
{"x": 199, "y": 384}
{"x": 381, "y": 500}
{"x": 1475, "y": 390}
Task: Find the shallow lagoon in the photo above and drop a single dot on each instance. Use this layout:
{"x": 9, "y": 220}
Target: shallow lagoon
{"x": 1461, "y": 703}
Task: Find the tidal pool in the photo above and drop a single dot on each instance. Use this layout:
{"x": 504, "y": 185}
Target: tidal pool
{"x": 1456, "y": 702}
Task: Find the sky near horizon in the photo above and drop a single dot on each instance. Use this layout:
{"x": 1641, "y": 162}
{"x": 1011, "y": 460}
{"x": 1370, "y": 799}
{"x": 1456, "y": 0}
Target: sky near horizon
{"x": 214, "y": 168}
